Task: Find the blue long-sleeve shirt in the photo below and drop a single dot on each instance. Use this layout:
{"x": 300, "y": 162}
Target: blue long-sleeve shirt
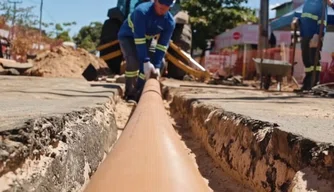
{"x": 311, "y": 18}
{"x": 143, "y": 24}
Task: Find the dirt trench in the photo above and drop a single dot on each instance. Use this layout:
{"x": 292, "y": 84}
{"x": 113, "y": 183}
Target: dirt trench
{"x": 254, "y": 154}
{"x": 77, "y": 153}
{"x": 217, "y": 179}
{"x": 232, "y": 153}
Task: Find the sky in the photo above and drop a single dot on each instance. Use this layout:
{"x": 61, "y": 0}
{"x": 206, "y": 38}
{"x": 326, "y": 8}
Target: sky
{"x": 86, "y": 11}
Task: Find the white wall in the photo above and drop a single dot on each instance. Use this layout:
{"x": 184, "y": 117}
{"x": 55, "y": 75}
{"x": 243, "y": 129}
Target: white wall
{"x": 328, "y": 47}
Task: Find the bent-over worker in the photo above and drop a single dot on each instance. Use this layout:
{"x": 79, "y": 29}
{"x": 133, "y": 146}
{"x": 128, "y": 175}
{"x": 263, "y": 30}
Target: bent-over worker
{"x": 309, "y": 25}
{"x": 149, "y": 20}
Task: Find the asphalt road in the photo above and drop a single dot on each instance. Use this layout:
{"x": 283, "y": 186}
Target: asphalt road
{"x": 307, "y": 116}
{"x": 23, "y": 98}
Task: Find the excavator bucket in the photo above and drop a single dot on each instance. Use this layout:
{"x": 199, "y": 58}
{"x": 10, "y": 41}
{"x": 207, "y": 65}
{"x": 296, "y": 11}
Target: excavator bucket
{"x": 201, "y": 74}
{"x": 90, "y": 73}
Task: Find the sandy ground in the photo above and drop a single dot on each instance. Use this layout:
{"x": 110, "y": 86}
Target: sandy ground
{"x": 217, "y": 179}
{"x": 123, "y": 111}
{"x": 285, "y": 86}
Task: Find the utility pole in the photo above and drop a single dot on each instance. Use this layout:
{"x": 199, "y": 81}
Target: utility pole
{"x": 40, "y": 24}
{"x": 263, "y": 27}
{"x": 14, "y": 16}
{"x": 263, "y": 33}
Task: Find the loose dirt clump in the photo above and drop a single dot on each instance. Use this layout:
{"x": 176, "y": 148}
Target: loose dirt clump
{"x": 65, "y": 61}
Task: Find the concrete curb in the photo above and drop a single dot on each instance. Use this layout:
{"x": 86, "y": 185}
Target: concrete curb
{"x": 254, "y": 152}
{"x": 57, "y": 153}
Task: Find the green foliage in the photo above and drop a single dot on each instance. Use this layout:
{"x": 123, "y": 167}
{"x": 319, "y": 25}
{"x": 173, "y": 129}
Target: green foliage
{"x": 58, "y": 27}
{"x": 212, "y": 17}
{"x": 64, "y": 36}
{"x": 89, "y": 36}
{"x": 24, "y": 15}
{"x": 59, "y": 30}
{"x": 88, "y": 44}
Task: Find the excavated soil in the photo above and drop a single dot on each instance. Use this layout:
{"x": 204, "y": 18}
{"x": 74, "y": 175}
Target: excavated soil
{"x": 65, "y": 61}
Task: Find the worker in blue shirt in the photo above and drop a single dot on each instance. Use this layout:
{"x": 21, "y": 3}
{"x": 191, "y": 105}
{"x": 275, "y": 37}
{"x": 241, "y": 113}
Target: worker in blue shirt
{"x": 149, "y": 20}
{"x": 309, "y": 23}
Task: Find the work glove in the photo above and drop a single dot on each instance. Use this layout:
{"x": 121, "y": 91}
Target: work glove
{"x": 294, "y": 23}
{"x": 157, "y": 73}
{"x": 314, "y": 41}
{"x": 148, "y": 69}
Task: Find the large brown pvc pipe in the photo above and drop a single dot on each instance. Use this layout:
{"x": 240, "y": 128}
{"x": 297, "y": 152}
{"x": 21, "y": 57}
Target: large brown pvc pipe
{"x": 149, "y": 155}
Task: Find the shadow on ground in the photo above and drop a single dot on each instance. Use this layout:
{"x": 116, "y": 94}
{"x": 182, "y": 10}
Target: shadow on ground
{"x": 109, "y": 86}
{"x": 59, "y": 94}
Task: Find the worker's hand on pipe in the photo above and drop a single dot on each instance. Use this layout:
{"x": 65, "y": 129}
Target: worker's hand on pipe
{"x": 157, "y": 73}
{"x": 148, "y": 69}
{"x": 314, "y": 41}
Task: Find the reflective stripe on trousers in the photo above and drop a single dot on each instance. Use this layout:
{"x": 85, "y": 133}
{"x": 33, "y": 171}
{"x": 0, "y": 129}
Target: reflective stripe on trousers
{"x": 142, "y": 76}
{"x": 310, "y": 69}
{"x": 131, "y": 73}
{"x": 308, "y": 55}
{"x": 128, "y": 48}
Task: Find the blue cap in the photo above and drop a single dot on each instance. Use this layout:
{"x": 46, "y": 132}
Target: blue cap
{"x": 169, "y": 3}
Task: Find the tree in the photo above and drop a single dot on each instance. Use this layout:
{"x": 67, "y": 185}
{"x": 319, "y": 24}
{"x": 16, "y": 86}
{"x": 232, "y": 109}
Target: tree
{"x": 23, "y": 15}
{"x": 64, "y": 36}
{"x": 211, "y": 17}
{"x": 59, "y": 32}
{"x": 26, "y": 35}
{"x": 89, "y": 36}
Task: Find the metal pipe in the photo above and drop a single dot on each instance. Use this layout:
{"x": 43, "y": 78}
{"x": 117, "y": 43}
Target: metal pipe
{"x": 149, "y": 155}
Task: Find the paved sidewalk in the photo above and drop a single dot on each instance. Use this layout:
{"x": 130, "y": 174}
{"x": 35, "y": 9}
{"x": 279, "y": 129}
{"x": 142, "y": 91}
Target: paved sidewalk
{"x": 307, "y": 116}
{"x": 24, "y": 98}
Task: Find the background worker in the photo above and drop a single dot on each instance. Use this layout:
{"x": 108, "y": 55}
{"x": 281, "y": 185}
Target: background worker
{"x": 147, "y": 21}
{"x": 309, "y": 25}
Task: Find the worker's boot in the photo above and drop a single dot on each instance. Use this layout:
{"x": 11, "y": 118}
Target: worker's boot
{"x": 306, "y": 88}
{"x": 130, "y": 95}
{"x": 302, "y": 90}
{"x": 131, "y": 99}
{"x": 306, "y": 84}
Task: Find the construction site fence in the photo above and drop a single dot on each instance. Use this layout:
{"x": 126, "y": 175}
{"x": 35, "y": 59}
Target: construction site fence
{"x": 233, "y": 62}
